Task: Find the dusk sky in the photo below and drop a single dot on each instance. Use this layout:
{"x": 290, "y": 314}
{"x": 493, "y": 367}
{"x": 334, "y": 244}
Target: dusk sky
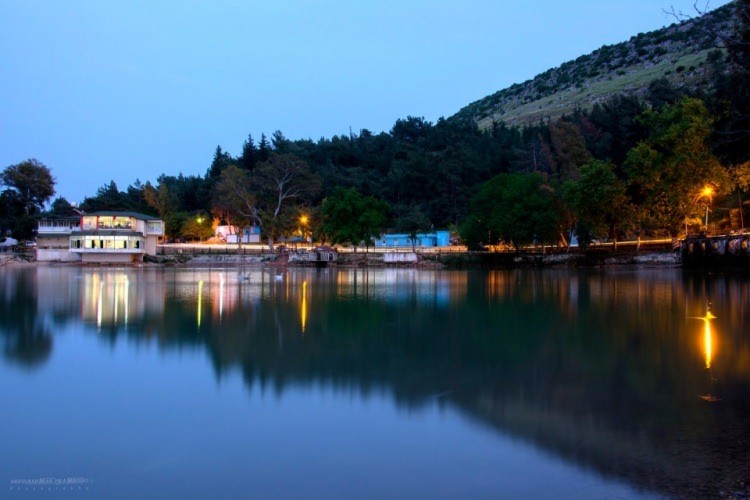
{"x": 102, "y": 91}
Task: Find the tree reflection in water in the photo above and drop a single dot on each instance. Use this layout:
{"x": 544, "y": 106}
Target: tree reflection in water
{"x": 26, "y": 338}
{"x": 603, "y": 368}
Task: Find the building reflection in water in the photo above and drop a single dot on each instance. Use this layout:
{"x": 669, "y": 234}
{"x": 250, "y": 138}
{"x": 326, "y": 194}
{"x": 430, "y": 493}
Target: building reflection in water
{"x": 107, "y": 298}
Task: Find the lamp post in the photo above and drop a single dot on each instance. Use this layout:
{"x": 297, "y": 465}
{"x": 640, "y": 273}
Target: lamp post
{"x": 303, "y": 220}
{"x": 707, "y": 192}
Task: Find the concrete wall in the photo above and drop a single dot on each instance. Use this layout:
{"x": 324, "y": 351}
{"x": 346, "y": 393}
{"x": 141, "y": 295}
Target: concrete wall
{"x": 56, "y": 255}
{"x": 150, "y": 244}
{"x": 110, "y": 258}
{"x": 56, "y": 241}
{"x": 399, "y": 257}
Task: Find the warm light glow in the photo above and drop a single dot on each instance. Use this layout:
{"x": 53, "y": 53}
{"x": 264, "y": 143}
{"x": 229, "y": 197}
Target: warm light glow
{"x": 221, "y": 295}
{"x": 99, "y": 305}
{"x": 708, "y": 346}
{"x": 200, "y": 301}
{"x": 303, "y": 308}
{"x": 303, "y": 220}
{"x": 199, "y": 220}
{"x": 127, "y": 299}
{"x": 707, "y": 192}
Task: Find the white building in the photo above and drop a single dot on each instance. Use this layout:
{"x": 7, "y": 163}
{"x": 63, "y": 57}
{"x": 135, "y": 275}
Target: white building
{"x": 234, "y": 234}
{"x": 99, "y": 237}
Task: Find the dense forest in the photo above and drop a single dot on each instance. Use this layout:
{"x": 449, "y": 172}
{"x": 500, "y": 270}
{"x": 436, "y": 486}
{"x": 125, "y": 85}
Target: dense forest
{"x": 670, "y": 160}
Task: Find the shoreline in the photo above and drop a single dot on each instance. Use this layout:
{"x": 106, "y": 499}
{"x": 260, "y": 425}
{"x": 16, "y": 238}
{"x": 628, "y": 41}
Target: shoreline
{"x": 452, "y": 260}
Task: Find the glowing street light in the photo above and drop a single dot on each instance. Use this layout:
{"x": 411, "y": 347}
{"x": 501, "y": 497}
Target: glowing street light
{"x": 303, "y": 221}
{"x": 707, "y": 192}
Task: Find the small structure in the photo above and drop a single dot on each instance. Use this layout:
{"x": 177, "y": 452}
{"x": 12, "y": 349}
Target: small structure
{"x": 7, "y": 244}
{"x": 424, "y": 240}
{"x": 53, "y": 239}
{"x": 321, "y": 256}
{"x": 234, "y": 234}
{"x": 99, "y": 237}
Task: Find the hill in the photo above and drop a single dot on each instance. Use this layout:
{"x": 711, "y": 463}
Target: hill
{"x": 682, "y": 53}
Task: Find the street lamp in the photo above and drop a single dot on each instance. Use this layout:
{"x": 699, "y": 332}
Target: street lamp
{"x": 303, "y": 220}
{"x": 707, "y": 192}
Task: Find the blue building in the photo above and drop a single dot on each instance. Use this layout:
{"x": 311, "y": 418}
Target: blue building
{"x": 433, "y": 239}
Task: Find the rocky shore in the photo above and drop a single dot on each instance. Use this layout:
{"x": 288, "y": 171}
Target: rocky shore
{"x": 433, "y": 260}
{"x": 427, "y": 260}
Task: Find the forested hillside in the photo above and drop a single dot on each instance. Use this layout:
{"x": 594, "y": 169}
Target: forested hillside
{"x": 682, "y": 53}
{"x": 652, "y": 162}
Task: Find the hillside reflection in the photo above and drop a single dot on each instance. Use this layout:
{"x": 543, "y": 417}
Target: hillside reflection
{"x": 628, "y": 373}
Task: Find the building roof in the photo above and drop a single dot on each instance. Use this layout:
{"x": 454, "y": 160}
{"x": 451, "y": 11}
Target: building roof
{"x": 115, "y": 213}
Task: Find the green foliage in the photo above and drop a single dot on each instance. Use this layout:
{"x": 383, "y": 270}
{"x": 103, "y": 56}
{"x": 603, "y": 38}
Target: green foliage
{"x": 669, "y": 169}
{"x": 28, "y": 186}
{"x": 160, "y": 199}
{"x": 598, "y": 200}
{"x": 413, "y": 222}
{"x": 173, "y": 224}
{"x": 62, "y": 208}
{"x": 282, "y": 183}
{"x": 221, "y": 161}
{"x": 626, "y": 67}
{"x": 513, "y": 208}
{"x": 234, "y": 198}
{"x": 109, "y": 197}
{"x": 32, "y": 183}
{"x": 197, "y": 227}
{"x": 350, "y": 217}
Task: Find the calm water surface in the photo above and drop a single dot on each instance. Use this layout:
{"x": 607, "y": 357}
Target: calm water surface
{"x": 373, "y": 383}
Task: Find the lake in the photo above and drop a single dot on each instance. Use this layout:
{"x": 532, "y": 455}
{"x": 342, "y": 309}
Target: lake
{"x": 373, "y": 383}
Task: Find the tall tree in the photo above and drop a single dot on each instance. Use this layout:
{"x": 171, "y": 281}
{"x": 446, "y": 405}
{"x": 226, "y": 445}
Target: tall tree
{"x": 350, "y": 217}
{"x": 108, "y": 197}
{"x": 234, "y": 198}
{"x": 249, "y": 154}
{"x": 281, "y": 182}
{"x": 160, "y": 198}
{"x": 598, "y": 200}
{"x": 32, "y": 182}
{"x": 513, "y": 208}
{"x": 220, "y": 161}
{"x": 28, "y": 186}
{"x": 568, "y": 149}
{"x": 279, "y": 142}
{"x": 669, "y": 169}
{"x": 413, "y": 222}
{"x": 62, "y": 208}
{"x": 264, "y": 148}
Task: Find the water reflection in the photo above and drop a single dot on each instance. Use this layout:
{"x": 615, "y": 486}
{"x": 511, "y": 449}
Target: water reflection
{"x": 303, "y": 307}
{"x": 26, "y": 338}
{"x": 600, "y": 368}
{"x": 708, "y": 343}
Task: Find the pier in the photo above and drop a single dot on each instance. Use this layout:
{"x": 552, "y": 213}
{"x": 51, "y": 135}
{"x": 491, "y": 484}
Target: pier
{"x": 731, "y": 250}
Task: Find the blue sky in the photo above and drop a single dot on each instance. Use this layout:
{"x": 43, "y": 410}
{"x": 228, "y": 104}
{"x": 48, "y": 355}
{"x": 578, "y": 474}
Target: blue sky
{"x": 128, "y": 90}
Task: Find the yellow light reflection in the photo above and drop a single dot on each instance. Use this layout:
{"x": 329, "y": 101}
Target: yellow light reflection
{"x": 221, "y": 295}
{"x": 200, "y": 302}
{"x": 127, "y": 299}
{"x": 708, "y": 347}
{"x": 303, "y": 308}
{"x": 99, "y": 305}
